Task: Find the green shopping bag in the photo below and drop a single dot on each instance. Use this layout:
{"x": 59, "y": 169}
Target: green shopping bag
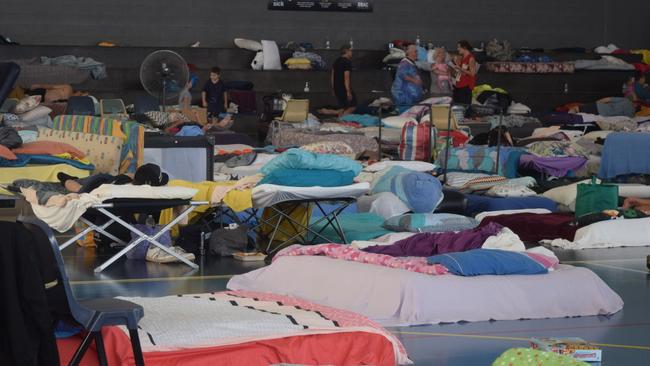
{"x": 593, "y": 197}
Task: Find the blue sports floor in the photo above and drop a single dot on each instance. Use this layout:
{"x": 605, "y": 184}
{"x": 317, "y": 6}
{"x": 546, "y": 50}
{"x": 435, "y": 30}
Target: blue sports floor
{"x": 624, "y": 337}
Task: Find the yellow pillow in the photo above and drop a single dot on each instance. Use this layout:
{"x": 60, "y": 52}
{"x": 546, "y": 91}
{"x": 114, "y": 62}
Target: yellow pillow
{"x": 297, "y": 61}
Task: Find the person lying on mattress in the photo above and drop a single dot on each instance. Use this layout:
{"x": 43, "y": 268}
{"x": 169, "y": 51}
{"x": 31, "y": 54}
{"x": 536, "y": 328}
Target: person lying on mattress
{"x": 149, "y": 174}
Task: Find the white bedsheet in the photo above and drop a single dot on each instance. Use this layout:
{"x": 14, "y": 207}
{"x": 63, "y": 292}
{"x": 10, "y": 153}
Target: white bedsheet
{"x": 266, "y": 195}
{"x": 396, "y": 297}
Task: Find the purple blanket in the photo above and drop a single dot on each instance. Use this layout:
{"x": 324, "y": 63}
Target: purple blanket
{"x": 428, "y": 244}
{"x": 555, "y": 166}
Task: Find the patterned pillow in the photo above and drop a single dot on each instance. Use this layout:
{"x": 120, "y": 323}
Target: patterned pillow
{"x": 158, "y": 118}
{"x": 27, "y": 104}
{"x": 460, "y": 179}
{"x": 102, "y": 151}
{"x": 482, "y": 183}
{"x": 329, "y": 147}
{"x": 510, "y": 190}
{"x": 426, "y": 222}
{"x": 10, "y": 117}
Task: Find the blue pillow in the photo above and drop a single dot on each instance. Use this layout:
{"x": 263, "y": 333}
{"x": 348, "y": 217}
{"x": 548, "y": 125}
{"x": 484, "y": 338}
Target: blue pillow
{"x": 308, "y": 178}
{"x": 383, "y": 182}
{"x": 488, "y": 262}
{"x": 428, "y": 222}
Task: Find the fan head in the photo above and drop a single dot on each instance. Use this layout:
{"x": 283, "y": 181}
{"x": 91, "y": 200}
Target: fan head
{"x": 164, "y": 68}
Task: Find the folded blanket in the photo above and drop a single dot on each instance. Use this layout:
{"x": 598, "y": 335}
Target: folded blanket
{"x": 347, "y": 253}
{"x": 309, "y": 178}
{"x": 300, "y": 159}
{"x": 494, "y": 262}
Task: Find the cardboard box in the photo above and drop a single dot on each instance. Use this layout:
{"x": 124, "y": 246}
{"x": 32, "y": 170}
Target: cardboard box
{"x": 570, "y": 346}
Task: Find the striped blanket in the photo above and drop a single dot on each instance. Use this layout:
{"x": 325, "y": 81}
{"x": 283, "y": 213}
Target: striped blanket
{"x": 131, "y": 132}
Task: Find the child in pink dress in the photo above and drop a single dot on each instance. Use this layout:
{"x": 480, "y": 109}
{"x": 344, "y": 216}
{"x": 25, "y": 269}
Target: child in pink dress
{"x": 442, "y": 71}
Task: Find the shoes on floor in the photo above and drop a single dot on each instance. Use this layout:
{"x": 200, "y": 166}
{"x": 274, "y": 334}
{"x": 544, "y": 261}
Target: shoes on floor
{"x": 157, "y": 255}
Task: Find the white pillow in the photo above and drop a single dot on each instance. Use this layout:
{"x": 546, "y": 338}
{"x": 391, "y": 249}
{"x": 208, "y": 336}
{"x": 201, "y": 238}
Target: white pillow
{"x": 27, "y": 104}
{"x": 565, "y": 195}
{"x": 248, "y": 44}
{"x": 384, "y": 204}
{"x": 418, "y": 166}
{"x": 37, "y": 113}
{"x": 396, "y": 121}
{"x": 609, "y": 234}
{"x": 271, "y": 55}
{"x": 510, "y": 190}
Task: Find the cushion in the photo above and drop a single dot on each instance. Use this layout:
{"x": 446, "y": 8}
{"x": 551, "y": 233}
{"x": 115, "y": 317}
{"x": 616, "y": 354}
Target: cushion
{"x": 35, "y": 114}
{"x": 5, "y": 153}
{"x": 158, "y": 118}
{"x": 385, "y": 204}
{"x": 27, "y": 104}
{"x": 329, "y": 147}
{"x": 382, "y": 181}
{"x": 428, "y": 222}
{"x": 482, "y": 183}
{"x": 396, "y": 121}
{"x": 248, "y": 44}
{"x": 609, "y": 234}
{"x": 308, "y": 178}
{"x": 297, "y": 61}
{"x": 103, "y": 151}
{"x": 565, "y": 195}
{"x": 49, "y": 148}
{"x": 418, "y": 166}
{"x": 299, "y": 67}
{"x": 478, "y": 262}
{"x": 460, "y": 179}
{"x": 510, "y": 190}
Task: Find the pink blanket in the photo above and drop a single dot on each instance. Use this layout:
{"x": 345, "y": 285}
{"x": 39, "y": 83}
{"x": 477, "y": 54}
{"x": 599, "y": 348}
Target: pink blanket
{"x": 346, "y": 252}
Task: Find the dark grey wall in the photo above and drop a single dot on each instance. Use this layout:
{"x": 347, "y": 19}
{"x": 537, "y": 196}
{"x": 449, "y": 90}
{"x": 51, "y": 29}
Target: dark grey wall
{"x": 539, "y": 23}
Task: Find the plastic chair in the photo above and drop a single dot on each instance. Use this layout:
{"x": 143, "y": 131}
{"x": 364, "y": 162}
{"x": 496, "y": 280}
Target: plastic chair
{"x": 93, "y": 314}
{"x": 81, "y": 106}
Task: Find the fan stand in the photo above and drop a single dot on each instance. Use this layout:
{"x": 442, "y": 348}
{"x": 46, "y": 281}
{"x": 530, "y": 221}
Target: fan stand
{"x": 163, "y": 97}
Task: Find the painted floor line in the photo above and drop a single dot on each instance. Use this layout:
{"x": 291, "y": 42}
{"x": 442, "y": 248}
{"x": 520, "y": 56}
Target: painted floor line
{"x": 153, "y": 279}
{"x": 608, "y": 345}
{"x": 604, "y": 260}
{"x": 617, "y": 267}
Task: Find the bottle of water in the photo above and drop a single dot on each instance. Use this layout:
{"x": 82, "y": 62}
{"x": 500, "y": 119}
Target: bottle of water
{"x": 417, "y": 41}
{"x": 351, "y": 43}
{"x": 150, "y": 222}
{"x": 327, "y": 43}
{"x": 307, "y": 87}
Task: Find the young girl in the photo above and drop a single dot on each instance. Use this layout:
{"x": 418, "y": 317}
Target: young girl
{"x": 442, "y": 72}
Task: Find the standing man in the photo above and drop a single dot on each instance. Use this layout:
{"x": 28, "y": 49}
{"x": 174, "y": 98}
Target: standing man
{"x": 340, "y": 80}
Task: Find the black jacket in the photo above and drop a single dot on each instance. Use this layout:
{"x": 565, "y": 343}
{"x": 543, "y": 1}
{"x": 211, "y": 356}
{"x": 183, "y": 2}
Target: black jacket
{"x": 27, "y": 336}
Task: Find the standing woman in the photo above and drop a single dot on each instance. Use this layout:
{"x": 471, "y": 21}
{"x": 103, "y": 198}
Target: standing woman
{"x": 466, "y": 74}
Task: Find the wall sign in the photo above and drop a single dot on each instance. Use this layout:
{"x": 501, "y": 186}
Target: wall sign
{"x": 321, "y": 5}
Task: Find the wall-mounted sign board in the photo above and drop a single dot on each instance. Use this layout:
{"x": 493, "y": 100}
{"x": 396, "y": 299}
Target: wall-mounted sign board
{"x": 321, "y": 5}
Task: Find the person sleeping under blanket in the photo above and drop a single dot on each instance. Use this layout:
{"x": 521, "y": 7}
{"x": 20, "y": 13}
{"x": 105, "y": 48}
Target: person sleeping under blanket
{"x": 149, "y": 174}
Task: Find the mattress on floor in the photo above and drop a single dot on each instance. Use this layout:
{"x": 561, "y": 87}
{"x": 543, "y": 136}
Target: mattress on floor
{"x": 395, "y": 297}
{"x": 266, "y": 195}
{"x": 244, "y": 328}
